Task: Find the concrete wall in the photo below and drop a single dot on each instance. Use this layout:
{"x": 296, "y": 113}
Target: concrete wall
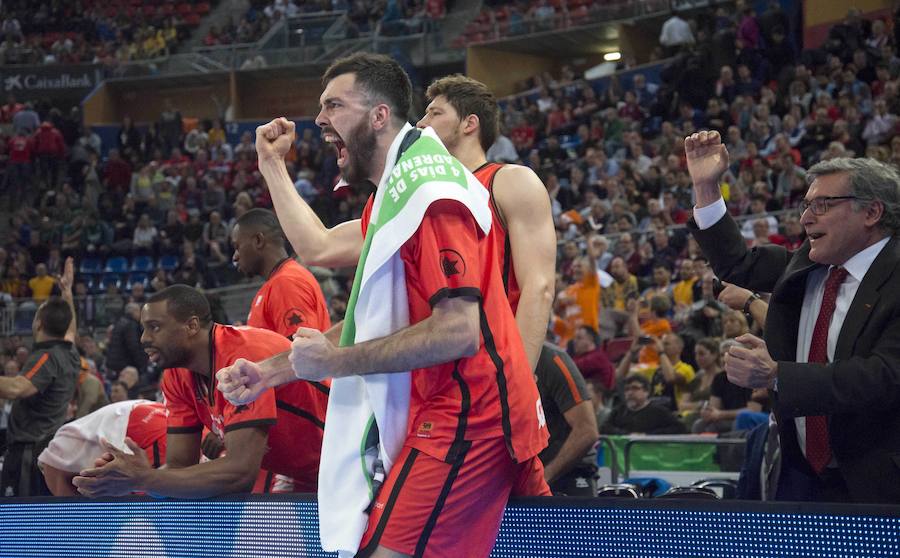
{"x": 500, "y": 70}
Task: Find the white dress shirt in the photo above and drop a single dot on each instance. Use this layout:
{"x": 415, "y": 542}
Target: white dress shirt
{"x": 857, "y": 267}
{"x": 676, "y": 31}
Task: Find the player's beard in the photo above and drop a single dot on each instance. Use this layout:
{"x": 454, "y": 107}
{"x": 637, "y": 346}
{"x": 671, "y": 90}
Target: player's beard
{"x": 172, "y": 357}
{"x": 361, "y": 145}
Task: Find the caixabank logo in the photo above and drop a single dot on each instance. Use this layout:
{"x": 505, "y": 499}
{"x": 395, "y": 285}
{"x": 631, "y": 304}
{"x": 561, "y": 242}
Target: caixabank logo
{"x": 24, "y": 82}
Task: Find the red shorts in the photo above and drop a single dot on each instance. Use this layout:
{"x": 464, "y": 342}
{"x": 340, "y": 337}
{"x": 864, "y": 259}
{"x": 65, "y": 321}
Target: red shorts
{"x": 428, "y": 507}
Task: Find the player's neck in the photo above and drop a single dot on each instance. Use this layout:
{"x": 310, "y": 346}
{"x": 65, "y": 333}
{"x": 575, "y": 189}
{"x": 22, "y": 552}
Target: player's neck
{"x": 41, "y": 337}
{"x": 271, "y": 261}
{"x": 383, "y": 147}
{"x": 471, "y": 155}
{"x": 202, "y": 354}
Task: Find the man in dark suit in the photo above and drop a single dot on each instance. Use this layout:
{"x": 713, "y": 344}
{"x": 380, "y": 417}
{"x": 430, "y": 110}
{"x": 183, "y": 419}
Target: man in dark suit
{"x": 125, "y": 347}
{"x": 831, "y": 354}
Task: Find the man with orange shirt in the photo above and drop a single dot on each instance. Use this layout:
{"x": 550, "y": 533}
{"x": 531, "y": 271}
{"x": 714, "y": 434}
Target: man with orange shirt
{"x": 475, "y": 422}
{"x": 291, "y": 296}
{"x": 281, "y": 431}
{"x": 579, "y": 303}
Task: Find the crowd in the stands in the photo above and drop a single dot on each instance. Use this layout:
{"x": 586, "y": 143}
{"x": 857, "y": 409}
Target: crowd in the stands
{"x": 610, "y": 153}
{"x": 90, "y": 31}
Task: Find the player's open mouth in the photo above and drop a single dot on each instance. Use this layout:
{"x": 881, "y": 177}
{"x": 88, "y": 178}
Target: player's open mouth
{"x": 339, "y": 146}
{"x": 152, "y": 354}
{"x": 815, "y": 236}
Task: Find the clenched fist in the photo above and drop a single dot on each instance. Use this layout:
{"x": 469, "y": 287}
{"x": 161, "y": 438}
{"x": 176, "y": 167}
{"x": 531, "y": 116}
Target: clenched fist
{"x": 274, "y": 140}
{"x": 241, "y": 383}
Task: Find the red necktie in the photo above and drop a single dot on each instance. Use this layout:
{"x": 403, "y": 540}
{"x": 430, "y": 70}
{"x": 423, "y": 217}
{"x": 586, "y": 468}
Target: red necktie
{"x": 818, "y": 450}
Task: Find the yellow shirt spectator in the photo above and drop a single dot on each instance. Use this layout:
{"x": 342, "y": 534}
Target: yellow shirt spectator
{"x": 683, "y": 292}
{"x": 42, "y": 285}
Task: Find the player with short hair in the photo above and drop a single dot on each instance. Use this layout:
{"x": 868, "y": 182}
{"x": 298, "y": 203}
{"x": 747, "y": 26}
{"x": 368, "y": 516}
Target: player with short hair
{"x": 42, "y": 391}
{"x": 464, "y": 113}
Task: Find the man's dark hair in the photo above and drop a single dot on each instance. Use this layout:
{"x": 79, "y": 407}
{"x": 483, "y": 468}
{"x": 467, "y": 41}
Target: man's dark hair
{"x": 264, "y": 221}
{"x": 638, "y": 379}
{"x": 55, "y": 316}
{"x": 183, "y": 302}
{"x": 119, "y": 383}
{"x": 468, "y": 96}
{"x": 381, "y": 78}
{"x": 595, "y": 337}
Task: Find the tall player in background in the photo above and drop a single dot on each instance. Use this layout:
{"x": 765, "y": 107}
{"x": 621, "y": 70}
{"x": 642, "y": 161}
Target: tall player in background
{"x": 463, "y": 112}
{"x": 291, "y": 296}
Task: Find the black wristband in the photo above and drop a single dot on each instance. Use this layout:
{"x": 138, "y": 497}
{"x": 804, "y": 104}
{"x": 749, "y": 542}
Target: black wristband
{"x": 750, "y": 299}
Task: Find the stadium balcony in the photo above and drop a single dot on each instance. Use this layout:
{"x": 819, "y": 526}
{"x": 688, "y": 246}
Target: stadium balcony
{"x": 509, "y": 21}
{"x": 313, "y": 40}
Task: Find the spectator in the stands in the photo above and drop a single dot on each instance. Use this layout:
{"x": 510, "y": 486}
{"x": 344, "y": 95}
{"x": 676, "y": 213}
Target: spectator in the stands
{"x": 503, "y": 150}
{"x": 637, "y": 415}
{"x": 41, "y": 285}
{"x": 590, "y": 358}
{"x": 49, "y": 152}
{"x": 758, "y": 211}
{"x": 734, "y": 324}
{"x": 145, "y": 236}
{"x": 125, "y": 343}
{"x": 623, "y": 287}
{"x": 26, "y": 121}
{"x": 118, "y": 392}
{"x": 131, "y": 379}
{"x": 675, "y": 34}
{"x": 129, "y": 138}
{"x": 19, "y": 171}
{"x": 726, "y": 401}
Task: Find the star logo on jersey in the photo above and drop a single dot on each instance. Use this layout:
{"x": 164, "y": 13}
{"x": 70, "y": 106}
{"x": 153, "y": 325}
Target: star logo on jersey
{"x": 294, "y": 318}
{"x": 452, "y": 263}
{"x": 424, "y": 430}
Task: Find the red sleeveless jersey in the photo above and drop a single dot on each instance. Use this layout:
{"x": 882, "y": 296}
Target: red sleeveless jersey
{"x": 499, "y": 237}
{"x": 491, "y": 394}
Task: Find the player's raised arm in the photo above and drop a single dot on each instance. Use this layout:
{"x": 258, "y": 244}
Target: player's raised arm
{"x": 315, "y": 243}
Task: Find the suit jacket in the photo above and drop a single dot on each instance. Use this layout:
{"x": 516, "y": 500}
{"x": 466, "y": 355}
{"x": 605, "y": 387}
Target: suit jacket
{"x": 860, "y": 390}
{"x": 125, "y": 347}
